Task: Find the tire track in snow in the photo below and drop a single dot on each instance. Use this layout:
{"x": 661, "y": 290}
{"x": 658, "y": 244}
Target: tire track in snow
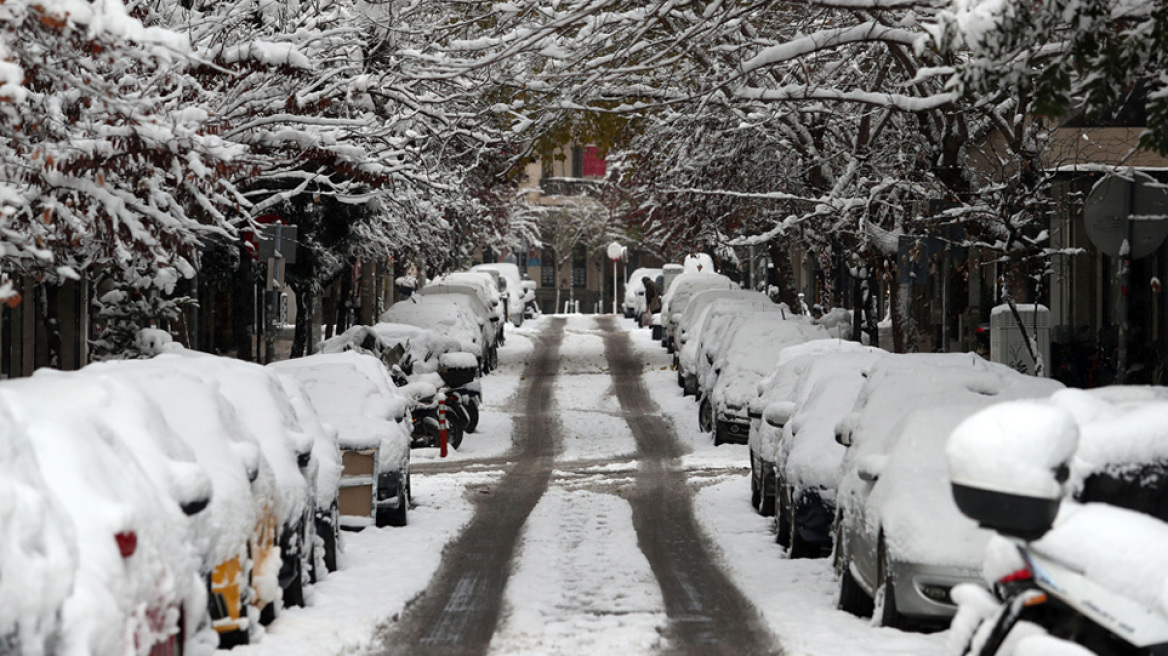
{"x": 460, "y": 611}
{"x": 707, "y": 613}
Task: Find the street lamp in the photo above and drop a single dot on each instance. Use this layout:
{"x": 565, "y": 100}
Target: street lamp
{"x": 615, "y": 252}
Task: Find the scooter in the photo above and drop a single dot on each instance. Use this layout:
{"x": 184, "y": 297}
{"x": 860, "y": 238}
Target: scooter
{"x": 428, "y": 417}
{"x": 1061, "y": 600}
{"x": 1077, "y": 575}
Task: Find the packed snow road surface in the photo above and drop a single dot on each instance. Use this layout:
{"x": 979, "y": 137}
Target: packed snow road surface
{"x": 588, "y": 515}
{"x": 459, "y": 612}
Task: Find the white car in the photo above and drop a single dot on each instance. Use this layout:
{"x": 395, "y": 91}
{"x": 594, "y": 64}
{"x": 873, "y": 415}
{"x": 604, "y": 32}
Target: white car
{"x": 513, "y": 288}
{"x": 353, "y": 393}
{"x": 489, "y": 318}
{"x": 242, "y": 549}
{"x": 800, "y": 455}
{"x": 899, "y": 535}
{"x": 38, "y": 551}
{"x": 681, "y": 290}
{"x": 750, "y": 351}
{"x": 713, "y": 339}
{"x": 698, "y": 314}
{"x": 138, "y": 584}
{"x": 444, "y": 317}
{"x": 485, "y": 285}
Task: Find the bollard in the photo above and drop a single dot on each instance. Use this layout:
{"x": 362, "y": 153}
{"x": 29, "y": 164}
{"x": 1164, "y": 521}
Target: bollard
{"x": 442, "y": 428}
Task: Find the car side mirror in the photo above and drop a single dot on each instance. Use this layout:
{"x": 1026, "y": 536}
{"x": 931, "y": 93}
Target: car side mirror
{"x": 778, "y": 413}
{"x": 870, "y": 467}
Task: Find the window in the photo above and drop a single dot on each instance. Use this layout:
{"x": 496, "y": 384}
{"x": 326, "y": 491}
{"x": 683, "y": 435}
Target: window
{"x": 579, "y": 267}
{"x": 577, "y": 162}
{"x": 547, "y": 271}
{"x": 593, "y": 164}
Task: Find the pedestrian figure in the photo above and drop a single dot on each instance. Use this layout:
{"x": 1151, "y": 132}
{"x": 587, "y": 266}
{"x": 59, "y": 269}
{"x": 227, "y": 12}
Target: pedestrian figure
{"x": 652, "y": 301}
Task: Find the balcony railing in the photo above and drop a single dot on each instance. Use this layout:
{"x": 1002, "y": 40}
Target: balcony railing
{"x": 569, "y": 187}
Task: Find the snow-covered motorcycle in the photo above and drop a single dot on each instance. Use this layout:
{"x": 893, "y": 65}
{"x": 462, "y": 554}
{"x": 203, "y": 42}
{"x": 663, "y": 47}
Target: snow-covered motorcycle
{"x": 1066, "y": 578}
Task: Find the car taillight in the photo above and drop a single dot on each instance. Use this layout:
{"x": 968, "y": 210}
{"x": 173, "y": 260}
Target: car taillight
{"x": 127, "y": 543}
{"x": 1018, "y": 576}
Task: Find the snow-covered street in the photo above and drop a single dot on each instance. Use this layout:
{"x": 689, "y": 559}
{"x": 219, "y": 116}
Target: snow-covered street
{"x": 586, "y": 574}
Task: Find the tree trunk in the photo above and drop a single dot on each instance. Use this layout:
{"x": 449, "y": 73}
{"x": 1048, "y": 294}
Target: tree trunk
{"x": 345, "y": 302}
{"x": 305, "y": 307}
{"x": 50, "y": 318}
{"x": 243, "y": 306}
{"x": 871, "y": 310}
{"x": 781, "y": 275}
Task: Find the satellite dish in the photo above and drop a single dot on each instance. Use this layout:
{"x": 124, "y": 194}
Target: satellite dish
{"x": 1113, "y": 202}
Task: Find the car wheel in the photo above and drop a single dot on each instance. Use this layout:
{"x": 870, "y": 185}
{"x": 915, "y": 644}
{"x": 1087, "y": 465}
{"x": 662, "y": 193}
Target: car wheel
{"x": 269, "y": 613}
{"x": 782, "y": 529}
{"x": 705, "y": 417}
{"x": 798, "y": 547}
{"x": 755, "y": 491}
{"x": 720, "y": 436}
{"x": 294, "y": 593}
{"x": 766, "y": 506}
{"x": 399, "y": 516}
{"x": 681, "y": 381}
{"x": 886, "y": 590}
{"x": 852, "y": 597}
{"x": 231, "y": 639}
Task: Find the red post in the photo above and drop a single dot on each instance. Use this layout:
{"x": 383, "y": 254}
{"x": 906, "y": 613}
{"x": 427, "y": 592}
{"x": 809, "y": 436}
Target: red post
{"x": 442, "y": 428}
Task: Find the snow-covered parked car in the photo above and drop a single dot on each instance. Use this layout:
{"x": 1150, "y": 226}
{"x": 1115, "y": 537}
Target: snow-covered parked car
{"x": 805, "y": 455}
{"x": 445, "y": 317}
{"x": 139, "y": 588}
{"x": 353, "y": 393}
{"x": 410, "y": 348}
{"x": 1096, "y": 559}
{"x": 510, "y": 287}
{"x": 715, "y": 334}
{"x": 241, "y": 555}
{"x": 485, "y": 296}
{"x": 680, "y": 291}
{"x": 38, "y": 551}
{"x": 900, "y": 539}
{"x": 750, "y": 352}
{"x": 697, "y": 315}
{"x": 265, "y": 411}
{"x": 634, "y": 303}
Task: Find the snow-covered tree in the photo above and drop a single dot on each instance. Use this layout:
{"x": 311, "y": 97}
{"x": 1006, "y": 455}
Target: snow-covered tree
{"x": 1065, "y": 55}
{"x": 102, "y": 160}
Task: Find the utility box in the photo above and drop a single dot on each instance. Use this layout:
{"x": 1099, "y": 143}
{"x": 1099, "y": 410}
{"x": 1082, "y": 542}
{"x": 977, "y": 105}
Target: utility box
{"x": 1006, "y": 343}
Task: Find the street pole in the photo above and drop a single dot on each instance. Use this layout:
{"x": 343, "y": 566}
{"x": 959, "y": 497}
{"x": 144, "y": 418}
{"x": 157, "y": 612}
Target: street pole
{"x": 615, "y": 252}
{"x": 1124, "y": 311}
{"x": 614, "y": 286}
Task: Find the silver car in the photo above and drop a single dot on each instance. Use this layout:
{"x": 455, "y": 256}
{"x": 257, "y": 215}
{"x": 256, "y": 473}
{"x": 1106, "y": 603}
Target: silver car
{"x": 901, "y": 542}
